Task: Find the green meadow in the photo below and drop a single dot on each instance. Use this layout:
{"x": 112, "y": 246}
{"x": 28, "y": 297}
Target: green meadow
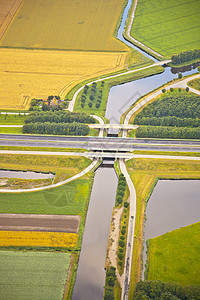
{"x": 175, "y": 256}
{"x": 168, "y": 27}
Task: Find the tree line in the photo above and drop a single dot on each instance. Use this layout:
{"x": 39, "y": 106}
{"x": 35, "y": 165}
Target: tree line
{"x": 169, "y": 121}
{"x": 178, "y": 104}
{"x": 165, "y": 291}
{"x": 110, "y": 283}
{"x": 59, "y": 117}
{"x": 56, "y": 128}
{"x": 121, "y": 187}
{"x": 185, "y": 56}
{"x": 168, "y": 132}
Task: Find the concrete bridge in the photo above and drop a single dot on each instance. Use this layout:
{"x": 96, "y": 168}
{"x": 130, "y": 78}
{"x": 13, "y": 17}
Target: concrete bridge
{"x": 113, "y": 126}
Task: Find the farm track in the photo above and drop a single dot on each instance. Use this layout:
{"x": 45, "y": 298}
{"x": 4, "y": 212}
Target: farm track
{"x": 7, "y": 16}
{"x": 31, "y": 222}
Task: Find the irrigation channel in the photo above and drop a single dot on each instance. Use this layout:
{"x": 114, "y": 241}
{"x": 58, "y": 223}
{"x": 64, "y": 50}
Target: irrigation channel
{"x": 173, "y": 204}
{"x": 25, "y": 174}
{"x": 90, "y": 277}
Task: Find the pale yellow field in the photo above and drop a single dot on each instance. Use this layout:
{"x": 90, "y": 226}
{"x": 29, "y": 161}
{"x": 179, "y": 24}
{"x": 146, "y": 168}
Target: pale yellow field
{"x": 38, "y": 238}
{"x": 25, "y": 74}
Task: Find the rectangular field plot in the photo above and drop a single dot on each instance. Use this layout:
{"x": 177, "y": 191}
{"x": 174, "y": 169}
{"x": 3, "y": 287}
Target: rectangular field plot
{"x": 38, "y": 239}
{"x": 33, "y": 275}
{"x": 26, "y": 74}
{"x": 65, "y": 24}
{"x": 29, "y": 222}
{"x": 168, "y": 27}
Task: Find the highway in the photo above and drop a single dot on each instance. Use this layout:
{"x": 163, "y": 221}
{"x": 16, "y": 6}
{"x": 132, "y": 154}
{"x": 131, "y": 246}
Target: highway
{"x": 99, "y": 143}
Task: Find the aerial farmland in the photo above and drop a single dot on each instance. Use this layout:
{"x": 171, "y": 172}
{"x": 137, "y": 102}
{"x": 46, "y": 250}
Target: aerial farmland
{"x": 99, "y": 149}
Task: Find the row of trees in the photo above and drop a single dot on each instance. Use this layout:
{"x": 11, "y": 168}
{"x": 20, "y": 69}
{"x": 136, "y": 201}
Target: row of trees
{"x": 178, "y": 104}
{"x": 122, "y": 237}
{"x": 185, "y": 56}
{"x": 169, "y": 121}
{"x": 56, "y": 128}
{"x": 110, "y": 283}
{"x": 59, "y": 117}
{"x": 165, "y": 291}
{"x": 121, "y": 187}
{"x": 92, "y": 95}
{"x": 167, "y": 132}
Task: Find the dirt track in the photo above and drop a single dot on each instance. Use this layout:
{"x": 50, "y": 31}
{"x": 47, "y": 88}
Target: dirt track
{"x": 31, "y": 222}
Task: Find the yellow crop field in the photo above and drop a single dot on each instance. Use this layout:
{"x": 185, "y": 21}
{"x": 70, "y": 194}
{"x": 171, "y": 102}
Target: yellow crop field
{"x": 8, "y": 9}
{"x": 66, "y": 24}
{"x": 38, "y": 238}
{"x": 25, "y": 74}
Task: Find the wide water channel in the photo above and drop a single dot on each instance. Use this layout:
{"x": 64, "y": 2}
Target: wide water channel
{"x": 173, "y": 204}
{"x": 90, "y": 277}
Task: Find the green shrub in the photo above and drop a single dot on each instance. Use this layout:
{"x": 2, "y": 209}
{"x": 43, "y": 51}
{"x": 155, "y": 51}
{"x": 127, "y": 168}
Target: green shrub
{"x": 121, "y": 243}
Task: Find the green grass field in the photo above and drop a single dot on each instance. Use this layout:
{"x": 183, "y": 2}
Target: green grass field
{"x": 69, "y": 199}
{"x": 33, "y": 275}
{"x": 69, "y": 25}
{"x": 175, "y": 256}
{"x": 168, "y": 27}
{"x": 195, "y": 84}
{"x": 12, "y": 119}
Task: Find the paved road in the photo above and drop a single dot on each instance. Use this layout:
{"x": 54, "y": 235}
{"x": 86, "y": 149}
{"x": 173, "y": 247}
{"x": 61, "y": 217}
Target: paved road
{"x": 98, "y": 143}
{"x": 130, "y": 234}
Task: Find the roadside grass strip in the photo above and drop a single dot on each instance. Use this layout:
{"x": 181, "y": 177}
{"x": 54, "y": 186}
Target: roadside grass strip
{"x": 38, "y": 239}
{"x": 167, "y": 27}
{"x": 33, "y": 275}
{"x": 175, "y": 256}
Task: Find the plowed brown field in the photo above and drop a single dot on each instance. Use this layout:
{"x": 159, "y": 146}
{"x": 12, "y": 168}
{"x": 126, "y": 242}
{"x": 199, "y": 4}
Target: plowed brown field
{"x": 30, "y": 222}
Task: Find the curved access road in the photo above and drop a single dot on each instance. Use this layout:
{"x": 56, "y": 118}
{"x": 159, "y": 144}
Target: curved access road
{"x": 101, "y": 122}
{"x": 85, "y": 171}
{"x": 180, "y": 84}
{"x": 72, "y": 102}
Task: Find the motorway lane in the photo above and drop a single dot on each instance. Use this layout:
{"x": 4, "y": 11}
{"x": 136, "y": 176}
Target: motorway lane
{"x": 52, "y": 138}
{"x": 98, "y": 143}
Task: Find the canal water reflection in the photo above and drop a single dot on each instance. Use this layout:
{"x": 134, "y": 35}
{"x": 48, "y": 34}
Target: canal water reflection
{"x": 90, "y": 278}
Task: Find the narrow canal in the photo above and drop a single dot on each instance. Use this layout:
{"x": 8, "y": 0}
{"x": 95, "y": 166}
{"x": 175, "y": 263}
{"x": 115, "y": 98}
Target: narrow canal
{"x": 90, "y": 277}
{"x": 173, "y": 204}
